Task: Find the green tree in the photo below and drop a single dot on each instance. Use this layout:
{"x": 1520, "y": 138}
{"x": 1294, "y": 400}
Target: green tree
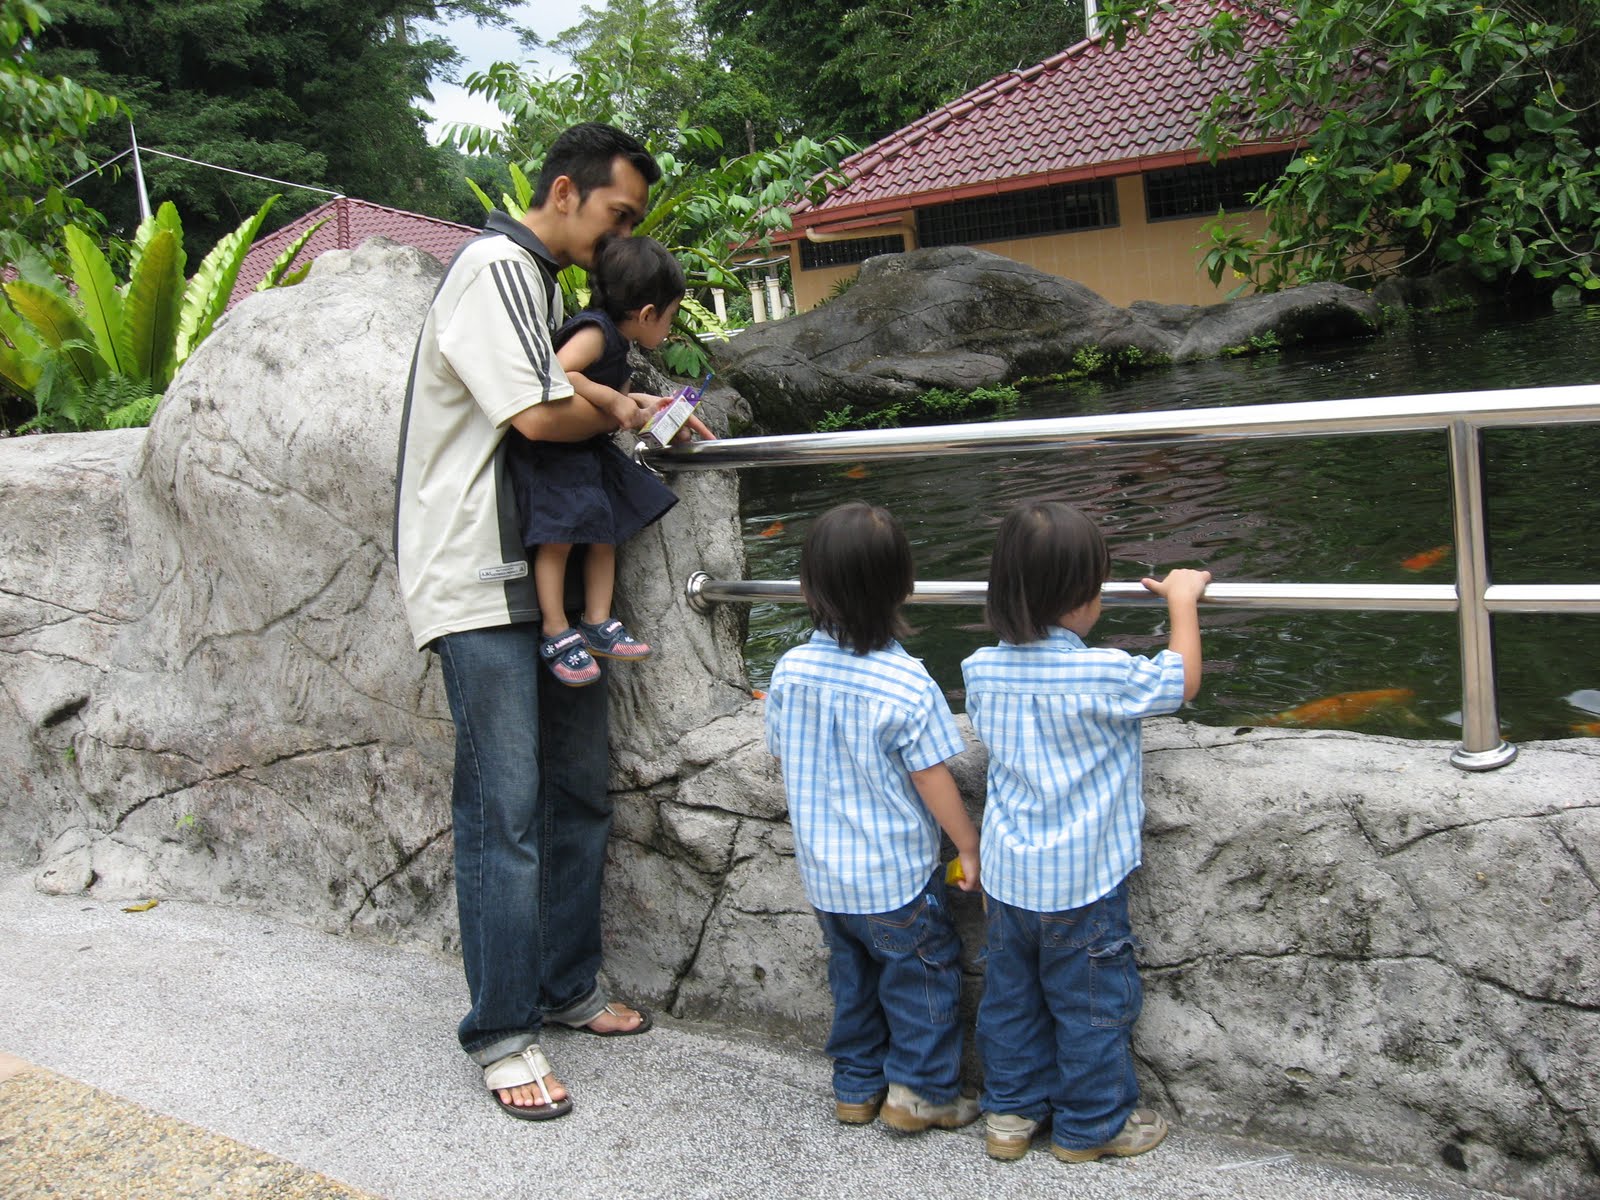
{"x": 1434, "y": 132}
{"x": 44, "y": 124}
{"x": 866, "y": 69}
{"x": 318, "y": 92}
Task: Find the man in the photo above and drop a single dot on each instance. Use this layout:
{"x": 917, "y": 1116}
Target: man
{"x": 530, "y": 808}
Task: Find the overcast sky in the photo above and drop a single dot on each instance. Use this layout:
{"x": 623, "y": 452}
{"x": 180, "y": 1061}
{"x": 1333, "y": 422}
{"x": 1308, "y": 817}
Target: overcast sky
{"x": 480, "y": 47}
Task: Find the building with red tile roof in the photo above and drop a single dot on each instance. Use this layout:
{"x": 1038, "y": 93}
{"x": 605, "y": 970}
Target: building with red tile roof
{"x": 349, "y": 223}
{"x": 1084, "y": 165}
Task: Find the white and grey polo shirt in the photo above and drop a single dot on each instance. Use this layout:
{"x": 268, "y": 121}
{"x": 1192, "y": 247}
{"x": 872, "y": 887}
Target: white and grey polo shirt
{"x": 484, "y": 355}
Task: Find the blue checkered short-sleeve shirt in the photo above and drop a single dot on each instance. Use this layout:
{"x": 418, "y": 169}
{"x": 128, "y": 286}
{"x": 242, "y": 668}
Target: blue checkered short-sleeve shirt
{"x": 849, "y": 729}
{"x": 1065, "y": 803}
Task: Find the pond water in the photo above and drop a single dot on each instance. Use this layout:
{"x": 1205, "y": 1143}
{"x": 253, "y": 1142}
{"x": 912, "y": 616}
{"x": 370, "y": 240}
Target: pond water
{"x": 1368, "y": 508}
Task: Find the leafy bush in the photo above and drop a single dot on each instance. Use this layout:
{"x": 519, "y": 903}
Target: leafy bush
{"x": 934, "y": 406}
{"x": 99, "y": 356}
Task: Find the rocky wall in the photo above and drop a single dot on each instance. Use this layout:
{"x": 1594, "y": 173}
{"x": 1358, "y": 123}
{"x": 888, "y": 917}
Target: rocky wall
{"x": 209, "y": 693}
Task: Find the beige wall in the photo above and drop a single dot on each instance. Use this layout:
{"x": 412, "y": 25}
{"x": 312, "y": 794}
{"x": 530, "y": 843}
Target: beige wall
{"x": 1138, "y": 260}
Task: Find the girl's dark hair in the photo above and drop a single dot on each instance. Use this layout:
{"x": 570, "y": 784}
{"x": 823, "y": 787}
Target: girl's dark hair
{"x": 587, "y": 155}
{"x": 630, "y": 272}
{"x": 1049, "y": 559}
{"x": 855, "y": 573}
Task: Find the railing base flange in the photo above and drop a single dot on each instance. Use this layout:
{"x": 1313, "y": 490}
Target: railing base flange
{"x": 1482, "y": 760}
{"x": 693, "y": 592}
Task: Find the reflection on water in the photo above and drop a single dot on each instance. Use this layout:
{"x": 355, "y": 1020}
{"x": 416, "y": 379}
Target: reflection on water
{"x": 1372, "y": 508}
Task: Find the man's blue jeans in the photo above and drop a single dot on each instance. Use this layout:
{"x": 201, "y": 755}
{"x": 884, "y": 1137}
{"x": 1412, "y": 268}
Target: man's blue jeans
{"x": 1055, "y": 1026}
{"x": 896, "y": 981}
{"x": 531, "y": 816}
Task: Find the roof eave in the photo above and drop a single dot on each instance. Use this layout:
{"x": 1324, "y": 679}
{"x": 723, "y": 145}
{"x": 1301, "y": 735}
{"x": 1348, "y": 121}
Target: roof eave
{"x": 849, "y": 215}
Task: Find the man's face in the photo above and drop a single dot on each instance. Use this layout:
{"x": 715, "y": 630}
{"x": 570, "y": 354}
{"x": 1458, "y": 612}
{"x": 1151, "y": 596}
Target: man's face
{"x": 615, "y": 207}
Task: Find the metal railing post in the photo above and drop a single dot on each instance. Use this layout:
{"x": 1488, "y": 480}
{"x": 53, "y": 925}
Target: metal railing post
{"x": 1482, "y": 748}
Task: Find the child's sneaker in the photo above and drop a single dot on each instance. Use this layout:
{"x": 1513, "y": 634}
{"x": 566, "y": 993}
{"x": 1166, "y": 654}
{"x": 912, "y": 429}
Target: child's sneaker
{"x": 850, "y": 1112}
{"x": 910, "y": 1113}
{"x": 1008, "y": 1135}
{"x": 1143, "y": 1131}
{"x": 610, "y": 640}
{"x": 568, "y": 658}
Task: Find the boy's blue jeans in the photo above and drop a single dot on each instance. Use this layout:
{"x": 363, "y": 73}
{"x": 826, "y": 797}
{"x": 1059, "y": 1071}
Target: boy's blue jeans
{"x": 1055, "y": 1026}
{"x": 896, "y": 982}
{"x": 531, "y": 815}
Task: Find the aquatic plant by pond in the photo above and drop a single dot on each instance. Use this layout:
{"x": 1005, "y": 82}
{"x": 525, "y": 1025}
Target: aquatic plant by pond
{"x": 1372, "y": 508}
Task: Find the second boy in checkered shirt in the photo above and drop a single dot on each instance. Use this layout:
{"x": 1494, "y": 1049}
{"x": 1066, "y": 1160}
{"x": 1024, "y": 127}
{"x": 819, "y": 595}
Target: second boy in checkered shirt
{"x": 1061, "y": 831}
{"x": 862, "y": 733}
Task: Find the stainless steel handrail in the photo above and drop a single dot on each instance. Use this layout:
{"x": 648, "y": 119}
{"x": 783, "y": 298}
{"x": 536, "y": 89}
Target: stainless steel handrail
{"x": 1462, "y": 416}
{"x": 1312, "y": 418}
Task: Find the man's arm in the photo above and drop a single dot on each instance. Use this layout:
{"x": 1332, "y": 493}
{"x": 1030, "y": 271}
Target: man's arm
{"x": 571, "y": 419}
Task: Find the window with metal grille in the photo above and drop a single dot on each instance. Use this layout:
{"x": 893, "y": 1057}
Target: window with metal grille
{"x": 1201, "y": 189}
{"x": 1057, "y": 209}
{"x": 842, "y": 254}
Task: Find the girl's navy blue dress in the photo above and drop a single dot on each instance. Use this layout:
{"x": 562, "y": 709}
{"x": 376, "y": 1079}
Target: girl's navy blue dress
{"x": 588, "y": 493}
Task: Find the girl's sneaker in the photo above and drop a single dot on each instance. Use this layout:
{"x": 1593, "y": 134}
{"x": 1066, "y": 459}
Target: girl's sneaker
{"x": 610, "y": 640}
{"x": 568, "y": 658}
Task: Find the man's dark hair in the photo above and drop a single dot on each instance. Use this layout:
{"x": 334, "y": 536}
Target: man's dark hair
{"x": 584, "y": 154}
{"x": 1049, "y": 559}
{"x": 855, "y": 573}
{"x": 630, "y": 272}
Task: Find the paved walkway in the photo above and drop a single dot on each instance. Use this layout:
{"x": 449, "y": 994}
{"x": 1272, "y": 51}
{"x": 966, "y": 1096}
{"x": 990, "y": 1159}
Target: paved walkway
{"x": 221, "y": 1054}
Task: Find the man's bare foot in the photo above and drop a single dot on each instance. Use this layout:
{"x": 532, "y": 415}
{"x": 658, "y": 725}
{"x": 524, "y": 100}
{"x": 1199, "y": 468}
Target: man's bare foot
{"x": 528, "y": 1095}
{"x": 615, "y": 1017}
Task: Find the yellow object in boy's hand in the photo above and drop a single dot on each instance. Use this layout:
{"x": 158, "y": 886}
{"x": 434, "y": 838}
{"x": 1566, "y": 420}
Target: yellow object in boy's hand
{"x": 953, "y": 874}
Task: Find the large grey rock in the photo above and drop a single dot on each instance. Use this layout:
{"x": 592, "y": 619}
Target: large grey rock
{"x": 961, "y": 318}
{"x": 209, "y": 693}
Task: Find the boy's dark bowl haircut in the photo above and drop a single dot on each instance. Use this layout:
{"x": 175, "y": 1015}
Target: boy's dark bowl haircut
{"x": 855, "y": 573}
{"x": 1049, "y": 559}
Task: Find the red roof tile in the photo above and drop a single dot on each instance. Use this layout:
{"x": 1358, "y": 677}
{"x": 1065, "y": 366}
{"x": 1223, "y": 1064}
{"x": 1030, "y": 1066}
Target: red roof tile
{"x": 1089, "y": 111}
{"x": 350, "y": 222}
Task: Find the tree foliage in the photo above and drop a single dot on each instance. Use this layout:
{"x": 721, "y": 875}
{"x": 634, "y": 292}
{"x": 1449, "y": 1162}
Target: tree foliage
{"x": 44, "y": 123}
{"x": 867, "y": 69}
{"x": 317, "y": 92}
{"x": 1434, "y": 132}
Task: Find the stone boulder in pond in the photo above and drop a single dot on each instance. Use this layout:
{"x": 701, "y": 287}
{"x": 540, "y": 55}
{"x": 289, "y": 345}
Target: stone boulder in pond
{"x": 961, "y": 318}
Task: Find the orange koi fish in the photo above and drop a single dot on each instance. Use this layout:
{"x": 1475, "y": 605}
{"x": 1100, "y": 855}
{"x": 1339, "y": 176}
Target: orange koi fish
{"x": 1587, "y": 729}
{"x": 1426, "y": 559}
{"x": 1346, "y": 708}
{"x": 757, "y": 694}
{"x": 857, "y": 472}
{"x": 772, "y": 530}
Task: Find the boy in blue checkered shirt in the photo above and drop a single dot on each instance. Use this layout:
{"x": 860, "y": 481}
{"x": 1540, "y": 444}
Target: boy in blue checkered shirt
{"x": 862, "y": 733}
{"x": 1061, "y": 836}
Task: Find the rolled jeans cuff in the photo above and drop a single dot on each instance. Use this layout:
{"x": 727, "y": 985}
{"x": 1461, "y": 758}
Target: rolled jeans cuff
{"x": 512, "y": 1043}
{"x": 582, "y": 1012}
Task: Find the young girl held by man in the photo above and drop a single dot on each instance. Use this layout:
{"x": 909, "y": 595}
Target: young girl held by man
{"x": 590, "y": 492}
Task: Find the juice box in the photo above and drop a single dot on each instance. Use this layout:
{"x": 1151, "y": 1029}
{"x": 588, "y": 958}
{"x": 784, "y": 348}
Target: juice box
{"x": 664, "y": 426}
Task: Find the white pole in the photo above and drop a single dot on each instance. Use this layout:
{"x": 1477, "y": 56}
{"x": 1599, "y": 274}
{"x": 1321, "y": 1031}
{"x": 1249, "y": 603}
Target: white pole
{"x": 719, "y": 301}
{"x": 138, "y": 177}
{"x": 774, "y": 301}
{"x": 758, "y": 303}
